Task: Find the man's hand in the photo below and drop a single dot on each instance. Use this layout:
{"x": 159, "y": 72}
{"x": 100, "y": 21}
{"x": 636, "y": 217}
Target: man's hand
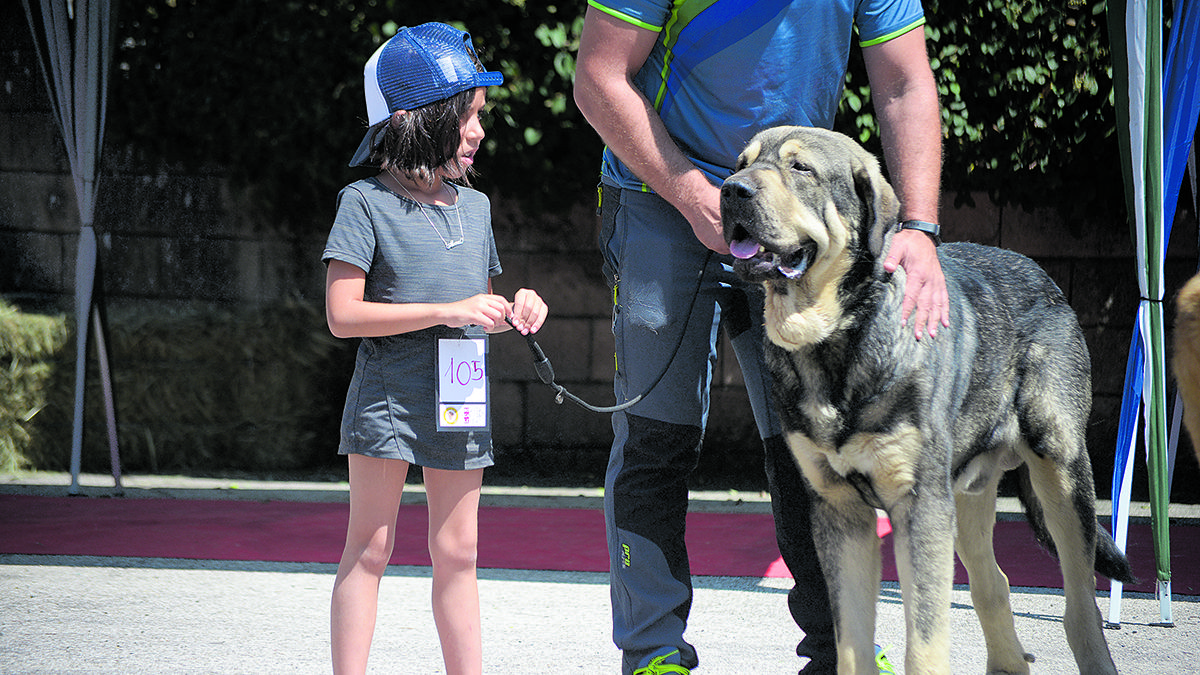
{"x": 703, "y": 212}
{"x": 925, "y": 289}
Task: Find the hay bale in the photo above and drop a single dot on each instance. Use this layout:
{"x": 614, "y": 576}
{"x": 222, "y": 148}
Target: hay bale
{"x": 29, "y": 347}
{"x": 207, "y": 388}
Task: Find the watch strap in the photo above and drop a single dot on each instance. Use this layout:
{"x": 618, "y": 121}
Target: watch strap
{"x": 932, "y": 229}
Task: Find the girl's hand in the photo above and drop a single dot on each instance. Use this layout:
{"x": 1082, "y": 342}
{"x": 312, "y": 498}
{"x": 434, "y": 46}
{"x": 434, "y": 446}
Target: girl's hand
{"x": 528, "y": 311}
{"x": 485, "y": 310}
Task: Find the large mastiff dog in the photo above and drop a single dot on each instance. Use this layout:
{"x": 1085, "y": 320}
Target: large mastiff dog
{"x": 921, "y": 429}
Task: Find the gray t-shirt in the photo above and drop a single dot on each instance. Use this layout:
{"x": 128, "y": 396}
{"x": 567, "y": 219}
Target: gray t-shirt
{"x": 403, "y": 247}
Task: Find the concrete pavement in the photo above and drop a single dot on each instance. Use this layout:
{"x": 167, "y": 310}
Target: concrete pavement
{"x": 61, "y": 614}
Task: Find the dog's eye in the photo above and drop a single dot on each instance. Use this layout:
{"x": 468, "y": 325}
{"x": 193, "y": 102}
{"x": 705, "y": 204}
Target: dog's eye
{"x": 802, "y": 168}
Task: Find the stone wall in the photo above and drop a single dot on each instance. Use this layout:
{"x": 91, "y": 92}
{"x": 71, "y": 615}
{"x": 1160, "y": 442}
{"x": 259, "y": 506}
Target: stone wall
{"x": 182, "y": 238}
{"x": 172, "y": 238}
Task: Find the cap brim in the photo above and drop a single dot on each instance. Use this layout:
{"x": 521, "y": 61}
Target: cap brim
{"x": 362, "y": 156}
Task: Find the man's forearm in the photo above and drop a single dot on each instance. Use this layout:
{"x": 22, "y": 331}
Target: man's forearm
{"x": 610, "y": 54}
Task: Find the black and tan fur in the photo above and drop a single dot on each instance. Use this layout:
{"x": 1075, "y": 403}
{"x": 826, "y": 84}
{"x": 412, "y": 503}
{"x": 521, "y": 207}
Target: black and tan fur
{"x": 921, "y": 429}
{"x": 1185, "y": 360}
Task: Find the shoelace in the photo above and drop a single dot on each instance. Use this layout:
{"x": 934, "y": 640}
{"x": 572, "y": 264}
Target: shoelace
{"x": 881, "y": 662}
{"x": 657, "y": 667}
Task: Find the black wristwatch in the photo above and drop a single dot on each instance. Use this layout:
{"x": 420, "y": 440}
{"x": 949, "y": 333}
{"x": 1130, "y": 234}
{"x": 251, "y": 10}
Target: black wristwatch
{"x": 932, "y": 229}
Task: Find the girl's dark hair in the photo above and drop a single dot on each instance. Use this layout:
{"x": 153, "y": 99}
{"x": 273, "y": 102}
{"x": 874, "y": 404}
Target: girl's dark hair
{"x": 425, "y": 139}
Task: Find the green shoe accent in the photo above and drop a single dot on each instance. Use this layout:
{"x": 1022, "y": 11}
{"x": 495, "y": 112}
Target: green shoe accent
{"x": 885, "y": 668}
{"x": 657, "y": 667}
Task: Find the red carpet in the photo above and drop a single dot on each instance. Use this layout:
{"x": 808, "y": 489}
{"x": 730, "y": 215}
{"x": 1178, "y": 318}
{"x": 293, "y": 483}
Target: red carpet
{"x": 510, "y": 538}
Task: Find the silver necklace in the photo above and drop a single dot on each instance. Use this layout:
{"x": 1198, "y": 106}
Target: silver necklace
{"x": 457, "y": 210}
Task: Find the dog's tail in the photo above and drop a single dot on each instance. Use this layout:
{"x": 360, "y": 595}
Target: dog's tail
{"x": 1109, "y": 560}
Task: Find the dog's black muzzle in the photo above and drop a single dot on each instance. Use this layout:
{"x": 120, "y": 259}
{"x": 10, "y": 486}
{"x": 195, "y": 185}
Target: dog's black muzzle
{"x": 741, "y": 219}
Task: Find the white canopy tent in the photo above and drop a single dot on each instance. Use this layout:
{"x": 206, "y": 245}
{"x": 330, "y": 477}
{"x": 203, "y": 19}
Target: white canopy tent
{"x": 1158, "y": 101}
{"x": 74, "y": 44}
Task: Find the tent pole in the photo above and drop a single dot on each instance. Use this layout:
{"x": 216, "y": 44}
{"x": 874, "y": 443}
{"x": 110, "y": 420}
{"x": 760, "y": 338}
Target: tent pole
{"x": 85, "y": 276}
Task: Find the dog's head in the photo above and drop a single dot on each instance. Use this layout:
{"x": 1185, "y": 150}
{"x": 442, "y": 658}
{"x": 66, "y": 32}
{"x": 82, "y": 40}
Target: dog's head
{"x": 803, "y": 208}
{"x": 800, "y": 197}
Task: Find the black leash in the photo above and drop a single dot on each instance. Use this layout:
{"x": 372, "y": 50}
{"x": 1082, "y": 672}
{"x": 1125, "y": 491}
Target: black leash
{"x": 545, "y": 371}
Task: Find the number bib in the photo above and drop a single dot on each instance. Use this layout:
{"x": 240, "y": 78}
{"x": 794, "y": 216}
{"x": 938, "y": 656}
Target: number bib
{"x": 462, "y": 385}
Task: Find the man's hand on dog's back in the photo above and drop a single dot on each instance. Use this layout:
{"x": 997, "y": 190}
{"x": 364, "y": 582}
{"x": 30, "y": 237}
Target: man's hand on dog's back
{"x": 925, "y": 297}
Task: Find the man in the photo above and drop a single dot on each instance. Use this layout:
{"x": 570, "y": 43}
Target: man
{"x": 675, "y": 90}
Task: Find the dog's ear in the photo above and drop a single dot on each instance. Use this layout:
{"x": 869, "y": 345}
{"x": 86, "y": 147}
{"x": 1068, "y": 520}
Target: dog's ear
{"x": 879, "y": 207}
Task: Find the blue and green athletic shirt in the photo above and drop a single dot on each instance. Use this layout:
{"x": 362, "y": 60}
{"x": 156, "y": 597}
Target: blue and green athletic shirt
{"x": 722, "y": 70}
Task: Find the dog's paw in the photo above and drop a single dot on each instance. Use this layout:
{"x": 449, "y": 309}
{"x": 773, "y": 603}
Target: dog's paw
{"x": 1011, "y": 667}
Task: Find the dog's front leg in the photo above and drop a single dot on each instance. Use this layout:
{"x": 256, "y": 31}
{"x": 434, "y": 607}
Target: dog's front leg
{"x": 923, "y": 535}
{"x": 844, "y": 533}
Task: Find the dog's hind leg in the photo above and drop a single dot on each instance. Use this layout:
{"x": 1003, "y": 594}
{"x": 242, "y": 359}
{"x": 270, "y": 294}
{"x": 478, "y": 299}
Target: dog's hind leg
{"x": 1068, "y": 503}
{"x": 989, "y": 586}
{"x": 924, "y": 550}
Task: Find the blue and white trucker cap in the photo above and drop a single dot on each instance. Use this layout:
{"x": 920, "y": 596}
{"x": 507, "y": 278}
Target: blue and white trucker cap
{"x": 418, "y": 66}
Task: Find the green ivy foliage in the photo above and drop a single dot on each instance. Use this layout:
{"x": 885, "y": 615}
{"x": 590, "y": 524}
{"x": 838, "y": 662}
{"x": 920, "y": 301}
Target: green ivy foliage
{"x": 1027, "y": 104}
{"x": 269, "y": 93}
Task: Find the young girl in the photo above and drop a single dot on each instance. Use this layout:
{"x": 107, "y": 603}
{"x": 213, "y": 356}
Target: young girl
{"x": 410, "y": 257}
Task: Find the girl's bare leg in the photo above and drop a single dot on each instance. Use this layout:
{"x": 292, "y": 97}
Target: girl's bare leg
{"x": 453, "y": 540}
{"x": 375, "y": 489}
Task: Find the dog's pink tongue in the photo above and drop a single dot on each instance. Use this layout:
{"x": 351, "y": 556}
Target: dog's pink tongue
{"x": 744, "y": 249}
